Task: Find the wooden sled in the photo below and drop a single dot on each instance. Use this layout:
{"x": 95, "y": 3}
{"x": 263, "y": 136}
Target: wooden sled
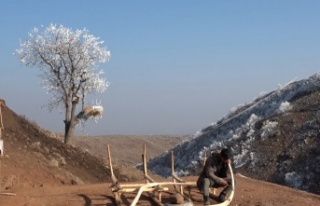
{"x": 154, "y": 189}
{"x": 151, "y": 187}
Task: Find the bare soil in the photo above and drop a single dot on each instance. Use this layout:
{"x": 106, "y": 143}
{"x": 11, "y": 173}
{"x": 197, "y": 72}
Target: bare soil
{"x": 249, "y": 192}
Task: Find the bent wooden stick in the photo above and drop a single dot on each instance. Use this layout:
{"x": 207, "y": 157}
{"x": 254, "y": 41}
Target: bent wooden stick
{"x": 175, "y": 179}
{"x": 144, "y": 160}
{"x": 148, "y": 179}
{"x": 173, "y": 174}
{"x": 230, "y": 198}
{"x": 115, "y": 182}
{"x": 114, "y": 179}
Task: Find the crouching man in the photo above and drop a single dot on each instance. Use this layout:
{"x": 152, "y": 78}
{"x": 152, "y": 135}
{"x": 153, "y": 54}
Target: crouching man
{"x": 214, "y": 174}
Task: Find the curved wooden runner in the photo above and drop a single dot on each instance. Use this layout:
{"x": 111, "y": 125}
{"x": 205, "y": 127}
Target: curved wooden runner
{"x": 230, "y": 198}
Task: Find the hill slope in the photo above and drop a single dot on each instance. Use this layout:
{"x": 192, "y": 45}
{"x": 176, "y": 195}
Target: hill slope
{"x": 31, "y": 158}
{"x": 274, "y": 138}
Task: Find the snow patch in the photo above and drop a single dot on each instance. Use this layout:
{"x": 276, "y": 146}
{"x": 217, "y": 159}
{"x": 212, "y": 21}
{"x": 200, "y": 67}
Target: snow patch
{"x": 285, "y": 106}
{"x": 293, "y": 179}
{"x": 269, "y": 129}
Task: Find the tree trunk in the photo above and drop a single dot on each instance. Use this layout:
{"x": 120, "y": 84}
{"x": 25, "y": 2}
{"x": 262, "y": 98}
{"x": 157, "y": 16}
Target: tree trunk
{"x": 68, "y": 133}
{"x": 69, "y": 128}
{"x": 70, "y": 121}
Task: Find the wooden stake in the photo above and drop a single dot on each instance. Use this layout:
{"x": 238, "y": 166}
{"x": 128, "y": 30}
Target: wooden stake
{"x": 1, "y": 141}
{"x": 1, "y": 122}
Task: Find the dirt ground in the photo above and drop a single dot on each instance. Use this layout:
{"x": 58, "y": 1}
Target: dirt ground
{"x": 248, "y": 192}
{"x": 40, "y": 171}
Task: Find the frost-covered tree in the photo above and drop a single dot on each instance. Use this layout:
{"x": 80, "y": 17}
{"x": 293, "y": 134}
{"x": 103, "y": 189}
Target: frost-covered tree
{"x": 68, "y": 63}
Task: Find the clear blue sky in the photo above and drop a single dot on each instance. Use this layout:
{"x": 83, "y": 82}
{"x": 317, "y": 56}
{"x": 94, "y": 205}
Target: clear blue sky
{"x": 176, "y": 66}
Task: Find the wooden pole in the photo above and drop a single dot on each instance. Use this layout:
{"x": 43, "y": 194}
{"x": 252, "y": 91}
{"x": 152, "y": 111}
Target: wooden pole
{"x": 1, "y": 122}
{"x": 1, "y": 142}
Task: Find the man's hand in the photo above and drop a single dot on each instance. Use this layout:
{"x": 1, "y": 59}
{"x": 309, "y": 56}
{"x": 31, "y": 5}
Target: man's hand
{"x": 227, "y": 161}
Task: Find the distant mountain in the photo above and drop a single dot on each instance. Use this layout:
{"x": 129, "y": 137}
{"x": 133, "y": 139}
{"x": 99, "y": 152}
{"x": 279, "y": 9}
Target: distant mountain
{"x": 275, "y": 138}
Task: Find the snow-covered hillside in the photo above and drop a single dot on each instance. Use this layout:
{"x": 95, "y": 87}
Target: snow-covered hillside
{"x": 252, "y": 126}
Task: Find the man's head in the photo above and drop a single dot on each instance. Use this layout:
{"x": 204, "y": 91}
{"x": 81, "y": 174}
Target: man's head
{"x": 225, "y": 155}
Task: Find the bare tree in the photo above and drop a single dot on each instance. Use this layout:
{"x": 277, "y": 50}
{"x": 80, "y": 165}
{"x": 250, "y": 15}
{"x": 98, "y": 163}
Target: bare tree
{"x": 68, "y": 63}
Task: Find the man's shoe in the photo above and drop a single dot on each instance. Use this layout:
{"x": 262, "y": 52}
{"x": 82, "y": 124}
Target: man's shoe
{"x": 222, "y": 197}
{"x": 206, "y": 202}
